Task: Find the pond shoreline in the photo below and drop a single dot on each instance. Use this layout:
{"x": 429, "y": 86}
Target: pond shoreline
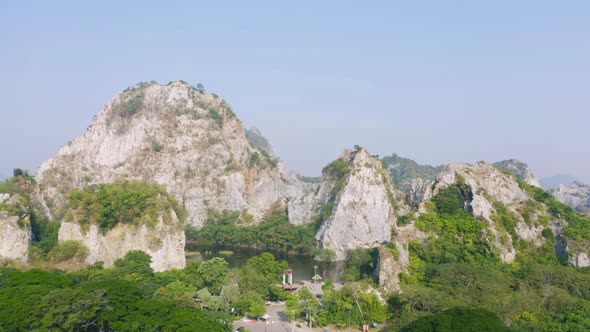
{"x": 302, "y": 265}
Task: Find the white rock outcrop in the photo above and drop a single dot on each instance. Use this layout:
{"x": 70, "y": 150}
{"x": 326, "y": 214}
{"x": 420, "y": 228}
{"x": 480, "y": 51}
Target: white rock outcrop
{"x": 580, "y": 260}
{"x": 576, "y": 195}
{"x": 488, "y": 185}
{"x": 14, "y": 238}
{"x": 520, "y": 169}
{"x": 164, "y": 243}
{"x": 363, "y": 213}
{"x": 189, "y": 141}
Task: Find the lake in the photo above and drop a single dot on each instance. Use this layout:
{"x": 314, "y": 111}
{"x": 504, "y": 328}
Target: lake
{"x": 302, "y": 265}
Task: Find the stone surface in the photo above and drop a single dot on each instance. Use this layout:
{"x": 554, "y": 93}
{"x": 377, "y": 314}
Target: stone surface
{"x": 580, "y": 260}
{"x": 164, "y": 243}
{"x": 488, "y": 185}
{"x": 191, "y": 142}
{"x": 520, "y": 169}
{"x": 14, "y": 238}
{"x": 363, "y": 214}
{"x": 576, "y": 195}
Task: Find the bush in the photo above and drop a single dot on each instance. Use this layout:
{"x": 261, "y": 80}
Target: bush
{"x": 129, "y": 107}
{"x": 130, "y": 202}
{"x": 64, "y": 251}
{"x": 360, "y": 264}
{"x": 458, "y": 319}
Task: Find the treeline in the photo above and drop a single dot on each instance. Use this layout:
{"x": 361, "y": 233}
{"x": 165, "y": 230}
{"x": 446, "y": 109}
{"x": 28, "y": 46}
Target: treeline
{"x": 128, "y": 297}
{"x": 231, "y": 230}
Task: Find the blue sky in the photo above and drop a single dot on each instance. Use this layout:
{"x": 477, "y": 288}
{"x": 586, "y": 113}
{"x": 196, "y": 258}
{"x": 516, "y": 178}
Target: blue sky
{"x": 431, "y": 80}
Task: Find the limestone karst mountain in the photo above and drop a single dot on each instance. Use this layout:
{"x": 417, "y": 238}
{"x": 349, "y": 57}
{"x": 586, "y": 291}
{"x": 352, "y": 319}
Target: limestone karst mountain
{"x": 178, "y": 136}
{"x": 15, "y": 229}
{"x": 410, "y": 177}
{"x": 362, "y": 206}
{"x": 576, "y": 195}
{"x": 520, "y": 169}
{"x": 557, "y": 180}
{"x": 192, "y": 144}
{"x": 517, "y": 217}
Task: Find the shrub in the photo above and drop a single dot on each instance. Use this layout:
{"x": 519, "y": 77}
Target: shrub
{"x": 458, "y": 319}
{"x": 67, "y": 250}
{"x": 129, "y": 107}
{"x": 131, "y": 202}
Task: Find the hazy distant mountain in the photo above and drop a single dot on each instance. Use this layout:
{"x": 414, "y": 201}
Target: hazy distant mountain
{"x": 404, "y": 170}
{"x": 556, "y": 180}
{"x": 576, "y": 195}
{"x": 520, "y": 170}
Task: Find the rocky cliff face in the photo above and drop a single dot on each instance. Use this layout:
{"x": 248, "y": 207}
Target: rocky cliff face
{"x": 576, "y": 195}
{"x": 410, "y": 177}
{"x": 520, "y": 169}
{"x": 164, "y": 242}
{"x": 185, "y": 139}
{"x": 492, "y": 189}
{"x": 15, "y": 231}
{"x": 364, "y": 204}
{"x": 394, "y": 258}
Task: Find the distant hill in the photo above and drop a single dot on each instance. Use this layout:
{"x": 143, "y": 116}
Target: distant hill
{"x": 520, "y": 170}
{"x": 576, "y": 195}
{"x": 556, "y": 180}
{"x": 404, "y": 170}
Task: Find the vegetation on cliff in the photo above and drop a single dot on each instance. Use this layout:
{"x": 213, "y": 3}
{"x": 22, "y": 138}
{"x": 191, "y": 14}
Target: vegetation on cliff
{"x": 456, "y": 274}
{"x": 126, "y": 202}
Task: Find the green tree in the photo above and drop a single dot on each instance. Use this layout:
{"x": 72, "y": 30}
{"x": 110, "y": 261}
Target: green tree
{"x": 212, "y": 273}
{"x": 73, "y": 310}
{"x": 135, "y": 261}
{"x": 459, "y": 319}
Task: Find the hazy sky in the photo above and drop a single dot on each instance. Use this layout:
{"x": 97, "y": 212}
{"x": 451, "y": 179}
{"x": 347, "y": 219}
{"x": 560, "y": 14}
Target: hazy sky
{"x": 436, "y": 81}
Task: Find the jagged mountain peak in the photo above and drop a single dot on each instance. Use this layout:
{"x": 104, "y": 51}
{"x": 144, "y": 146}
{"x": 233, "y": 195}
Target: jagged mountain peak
{"x": 364, "y": 203}
{"x": 520, "y": 169}
{"x": 177, "y": 135}
{"x": 576, "y": 195}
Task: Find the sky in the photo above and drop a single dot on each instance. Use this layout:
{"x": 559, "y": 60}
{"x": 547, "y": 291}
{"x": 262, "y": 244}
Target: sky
{"x": 435, "y": 81}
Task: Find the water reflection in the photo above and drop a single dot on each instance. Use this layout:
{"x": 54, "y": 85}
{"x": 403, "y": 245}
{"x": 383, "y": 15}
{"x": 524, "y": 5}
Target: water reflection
{"x": 302, "y": 265}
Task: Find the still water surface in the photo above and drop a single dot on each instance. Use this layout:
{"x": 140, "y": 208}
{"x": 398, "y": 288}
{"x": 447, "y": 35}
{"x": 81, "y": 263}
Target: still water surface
{"x": 302, "y": 265}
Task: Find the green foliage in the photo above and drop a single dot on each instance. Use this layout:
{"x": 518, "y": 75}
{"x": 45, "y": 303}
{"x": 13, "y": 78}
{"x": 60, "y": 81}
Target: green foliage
{"x": 20, "y": 204}
{"x": 135, "y": 261}
{"x": 338, "y": 171}
{"x": 215, "y": 115}
{"x": 506, "y": 218}
{"x": 459, "y": 235}
{"x": 261, "y": 273}
{"x": 405, "y": 219}
{"x": 327, "y": 255}
{"x": 131, "y": 106}
{"x": 128, "y": 202}
{"x": 451, "y": 200}
{"x": 404, "y": 170}
{"x": 212, "y": 273}
{"x": 44, "y": 234}
{"x": 578, "y": 229}
{"x": 254, "y": 158}
{"x": 275, "y": 233}
{"x": 458, "y": 319}
{"x": 360, "y": 264}
{"x": 73, "y": 310}
{"x": 67, "y": 250}
{"x": 352, "y": 303}
{"x": 178, "y": 292}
